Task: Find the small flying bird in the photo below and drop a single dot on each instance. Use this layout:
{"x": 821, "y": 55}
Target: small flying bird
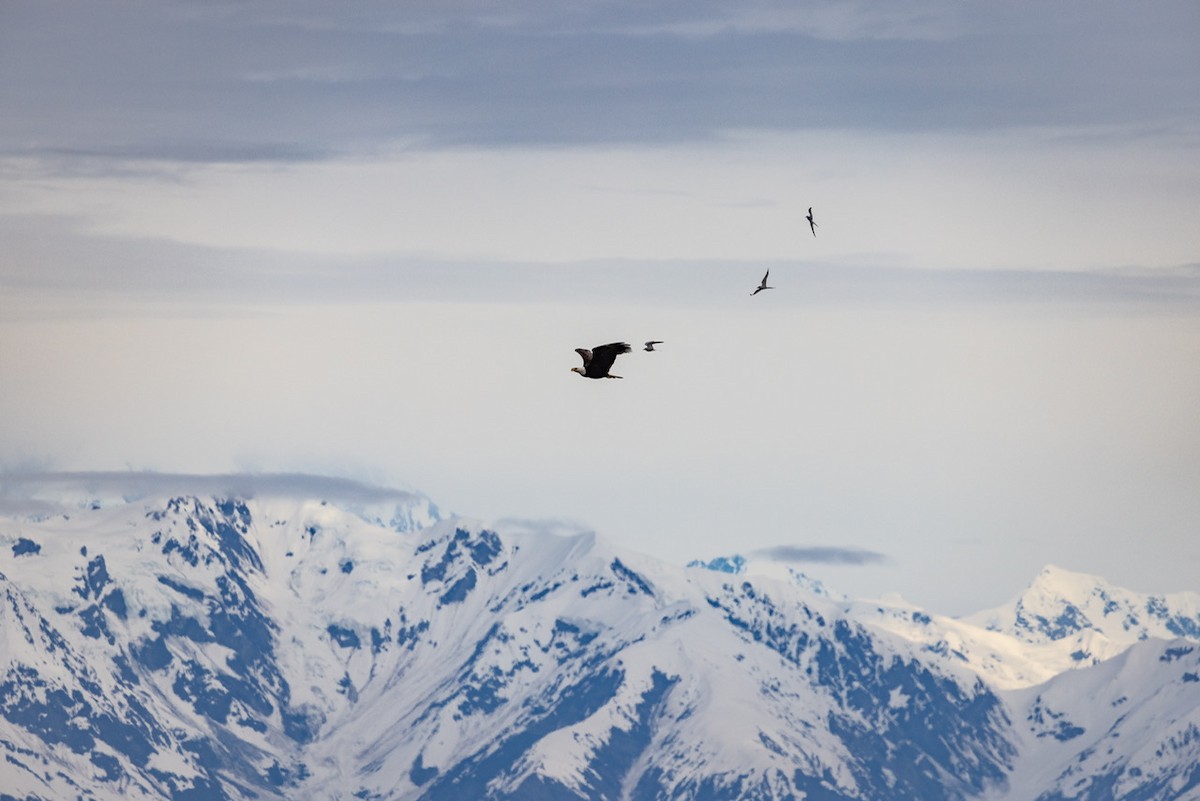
{"x": 762, "y": 286}
{"x": 599, "y": 360}
{"x": 650, "y": 345}
{"x": 812, "y": 223}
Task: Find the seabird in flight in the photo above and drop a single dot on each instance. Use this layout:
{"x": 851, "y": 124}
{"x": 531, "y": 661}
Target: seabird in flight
{"x": 598, "y": 360}
{"x": 762, "y": 286}
{"x": 650, "y": 345}
{"x": 811, "y": 223}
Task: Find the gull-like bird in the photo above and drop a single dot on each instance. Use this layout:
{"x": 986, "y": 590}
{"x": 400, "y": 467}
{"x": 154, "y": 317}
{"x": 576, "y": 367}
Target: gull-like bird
{"x": 599, "y": 360}
{"x": 650, "y": 345}
{"x": 762, "y": 286}
{"x": 812, "y": 223}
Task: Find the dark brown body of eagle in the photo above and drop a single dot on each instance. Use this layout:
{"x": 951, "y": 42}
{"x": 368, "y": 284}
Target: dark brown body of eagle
{"x": 599, "y": 360}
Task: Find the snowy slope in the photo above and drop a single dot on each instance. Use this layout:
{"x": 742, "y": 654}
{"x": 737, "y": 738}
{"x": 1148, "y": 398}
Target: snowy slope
{"x": 1102, "y": 683}
{"x": 1061, "y": 605}
{"x": 1004, "y": 662}
{"x": 1128, "y": 729}
{"x": 272, "y": 639}
{"x": 1062, "y": 621}
{"x": 739, "y": 565}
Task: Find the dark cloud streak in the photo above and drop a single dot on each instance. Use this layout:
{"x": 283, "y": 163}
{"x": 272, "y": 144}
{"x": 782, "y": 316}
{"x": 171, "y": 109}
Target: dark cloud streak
{"x": 263, "y": 82}
{"x": 821, "y": 554}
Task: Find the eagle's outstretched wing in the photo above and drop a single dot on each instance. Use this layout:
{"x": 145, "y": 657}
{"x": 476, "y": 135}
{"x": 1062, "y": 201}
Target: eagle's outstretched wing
{"x": 603, "y": 357}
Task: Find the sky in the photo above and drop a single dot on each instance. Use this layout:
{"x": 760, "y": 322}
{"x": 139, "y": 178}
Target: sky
{"x": 362, "y": 240}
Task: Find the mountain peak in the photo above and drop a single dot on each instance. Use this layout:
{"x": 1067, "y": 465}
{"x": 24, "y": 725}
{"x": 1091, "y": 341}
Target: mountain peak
{"x": 1059, "y": 604}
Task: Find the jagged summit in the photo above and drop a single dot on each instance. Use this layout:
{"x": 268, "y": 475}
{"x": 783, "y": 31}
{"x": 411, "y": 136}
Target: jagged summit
{"x": 1059, "y": 604}
{"x": 1063, "y": 621}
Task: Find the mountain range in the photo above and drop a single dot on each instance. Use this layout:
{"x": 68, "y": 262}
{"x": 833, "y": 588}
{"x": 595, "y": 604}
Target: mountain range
{"x": 195, "y": 638}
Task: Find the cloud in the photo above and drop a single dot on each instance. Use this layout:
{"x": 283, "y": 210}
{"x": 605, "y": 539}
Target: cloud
{"x": 24, "y": 490}
{"x": 543, "y": 526}
{"x": 54, "y": 256}
{"x": 926, "y": 20}
{"x": 263, "y": 83}
{"x": 821, "y": 554}
{"x": 105, "y": 158}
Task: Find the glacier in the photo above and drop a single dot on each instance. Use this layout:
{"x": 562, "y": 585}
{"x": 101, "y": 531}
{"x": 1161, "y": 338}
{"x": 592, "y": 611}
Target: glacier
{"x": 184, "y": 637}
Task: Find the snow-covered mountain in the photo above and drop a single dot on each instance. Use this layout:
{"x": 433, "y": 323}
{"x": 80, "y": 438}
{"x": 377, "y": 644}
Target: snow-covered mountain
{"x": 1060, "y": 605}
{"x": 285, "y": 638}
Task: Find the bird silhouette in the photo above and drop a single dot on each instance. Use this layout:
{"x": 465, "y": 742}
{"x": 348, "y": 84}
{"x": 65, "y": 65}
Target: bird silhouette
{"x": 762, "y": 286}
{"x": 812, "y": 223}
{"x": 650, "y": 345}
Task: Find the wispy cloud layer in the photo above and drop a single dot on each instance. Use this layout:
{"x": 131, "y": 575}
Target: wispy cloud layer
{"x": 281, "y": 82}
{"x": 50, "y": 256}
{"x": 821, "y": 554}
{"x": 25, "y": 487}
{"x": 552, "y": 526}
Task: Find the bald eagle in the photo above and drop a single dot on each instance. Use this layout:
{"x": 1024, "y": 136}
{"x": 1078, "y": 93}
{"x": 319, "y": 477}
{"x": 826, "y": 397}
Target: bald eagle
{"x": 598, "y": 360}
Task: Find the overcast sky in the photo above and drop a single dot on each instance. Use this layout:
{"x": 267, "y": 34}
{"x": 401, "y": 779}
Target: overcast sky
{"x": 363, "y": 239}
